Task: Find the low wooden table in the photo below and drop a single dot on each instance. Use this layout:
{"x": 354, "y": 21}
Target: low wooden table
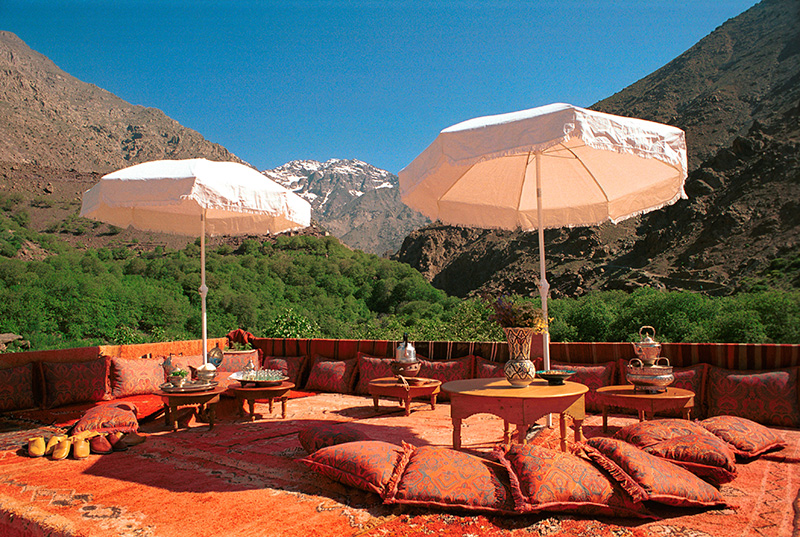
{"x": 252, "y": 393}
{"x": 205, "y": 402}
{"x": 647, "y": 404}
{"x": 520, "y": 406}
{"x": 393, "y": 387}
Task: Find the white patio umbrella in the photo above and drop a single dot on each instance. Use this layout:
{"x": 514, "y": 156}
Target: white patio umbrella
{"x": 195, "y": 197}
{"x": 553, "y": 166}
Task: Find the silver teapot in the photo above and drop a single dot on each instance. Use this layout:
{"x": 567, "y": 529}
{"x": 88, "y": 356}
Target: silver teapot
{"x": 648, "y": 349}
{"x": 405, "y": 362}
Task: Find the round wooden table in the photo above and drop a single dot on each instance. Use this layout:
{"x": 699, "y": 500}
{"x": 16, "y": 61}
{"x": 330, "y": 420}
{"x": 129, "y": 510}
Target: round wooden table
{"x": 252, "y": 393}
{"x": 520, "y": 406}
{"x": 205, "y": 401}
{"x": 646, "y": 404}
{"x": 393, "y": 387}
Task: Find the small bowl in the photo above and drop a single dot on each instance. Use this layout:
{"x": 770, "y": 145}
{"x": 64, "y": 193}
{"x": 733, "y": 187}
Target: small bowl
{"x": 555, "y": 377}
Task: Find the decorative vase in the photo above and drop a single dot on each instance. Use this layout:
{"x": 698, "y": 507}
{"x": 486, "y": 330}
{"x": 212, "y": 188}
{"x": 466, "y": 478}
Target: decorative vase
{"x": 519, "y": 369}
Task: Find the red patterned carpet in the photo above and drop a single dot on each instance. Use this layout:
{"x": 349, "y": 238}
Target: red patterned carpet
{"x": 244, "y": 479}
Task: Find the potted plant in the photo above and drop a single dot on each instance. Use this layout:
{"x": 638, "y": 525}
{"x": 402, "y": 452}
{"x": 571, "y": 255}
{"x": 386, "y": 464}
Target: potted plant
{"x": 520, "y": 320}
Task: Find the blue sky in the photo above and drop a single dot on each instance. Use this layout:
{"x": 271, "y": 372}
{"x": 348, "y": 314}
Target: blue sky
{"x": 372, "y": 80}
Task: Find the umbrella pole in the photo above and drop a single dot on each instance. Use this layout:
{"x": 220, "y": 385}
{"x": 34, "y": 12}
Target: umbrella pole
{"x": 544, "y": 287}
{"x": 203, "y": 289}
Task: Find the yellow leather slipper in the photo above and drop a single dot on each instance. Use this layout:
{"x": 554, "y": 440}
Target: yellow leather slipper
{"x": 80, "y": 447}
{"x": 36, "y": 446}
{"x": 52, "y": 443}
{"x": 61, "y": 450}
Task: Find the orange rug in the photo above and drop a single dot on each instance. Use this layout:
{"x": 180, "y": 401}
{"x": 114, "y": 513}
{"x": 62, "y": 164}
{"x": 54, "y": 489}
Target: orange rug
{"x": 243, "y": 479}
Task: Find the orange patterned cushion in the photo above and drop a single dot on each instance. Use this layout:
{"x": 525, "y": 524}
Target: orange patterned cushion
{"x": 108, "y": 418}
{"x": 767, "y": 397}
{"x": 593, "y": 376}
{"x": 646, "y": 433}
{"x": 16, "y": 388}
{"x": 371, "y": 368}
{"x": 447, "y": 370}
{"x": 331, "y": 375}
{"x": 135, "y": 376}
{"x": 485, "y": 369}
{"x": 328, "y": 434}
{"x": 74, "y": 382}
{"x": 548, "y": 480}
{"x": 443, "y": 477}
{"x": 367, "y": 465}
{"x": 237, "y": 361}
{"x": 659, "y": 480}
{"x": 746, "y": 438}
{"x": 291, "y": 366}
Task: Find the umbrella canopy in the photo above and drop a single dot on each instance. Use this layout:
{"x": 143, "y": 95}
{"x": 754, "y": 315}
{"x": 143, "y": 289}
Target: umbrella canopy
{"x": 553, "y": 166}
{"x": 195, "y": 197}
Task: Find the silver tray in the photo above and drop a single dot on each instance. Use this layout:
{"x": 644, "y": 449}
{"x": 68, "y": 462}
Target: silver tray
{"x": 258, "y": 383}
{"x": 192, "y": 386}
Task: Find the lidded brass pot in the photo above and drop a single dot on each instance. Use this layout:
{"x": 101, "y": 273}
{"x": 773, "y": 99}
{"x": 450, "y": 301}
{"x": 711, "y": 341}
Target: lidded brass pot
{"x": 644, "y": 371}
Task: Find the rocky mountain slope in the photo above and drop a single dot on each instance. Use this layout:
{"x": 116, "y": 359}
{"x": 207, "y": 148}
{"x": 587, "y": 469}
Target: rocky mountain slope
{"x": 355, "y": 201}
{"x": 737, "y": 95}
{"x": 51, "y": 119}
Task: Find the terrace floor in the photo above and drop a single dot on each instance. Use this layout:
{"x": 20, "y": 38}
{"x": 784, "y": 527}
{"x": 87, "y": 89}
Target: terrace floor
{"x": 244, "y": 479}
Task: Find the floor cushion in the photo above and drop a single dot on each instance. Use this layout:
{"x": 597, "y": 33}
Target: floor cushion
{"x": 74, "y": 382}
{"x": 686, "y": 444}
{"x": 746, "y": 438}
{"x": 291, "y": 366}
{"x": 544, "y": 479}
{"x": 16, "y": 388}
{"x": 329, "y": 434}
{"x": 108, "y": 418}
{"x": 658, "y": 479}
{"x": 368, "y": 465}
{"x": 331, "y": 375}
{"x": 440, "y": 477}
{"x": 135, "y": 376}
{"x": 766, "y": 397}
{"x": 592, "y": 376}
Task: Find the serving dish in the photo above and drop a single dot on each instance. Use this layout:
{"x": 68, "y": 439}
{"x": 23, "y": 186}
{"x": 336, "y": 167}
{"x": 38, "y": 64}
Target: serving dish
{"x": 555, "y": 377}
{"x": 252, "y": 379}
{"x": 189, "y": 386}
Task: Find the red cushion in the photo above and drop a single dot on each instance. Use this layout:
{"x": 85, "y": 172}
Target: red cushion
{"x": 705, "y": 456}
{"x": 767, "y": 397}
{"x": 485, "y": 369}
{"x": 447, "y": 370}
{"x": 108, "y": 418}
{"x": 74, "y": 382}
{"x": 646, "y": 433}
{"x": 328, "y": 434}
{"x": 237, "y": 361}
{"x": 291, "y": 366}
{"x": 371, "y": 368}
{"x": 746, "y": 438}
{"x": 367, "y": 465}
{"x": 186, "y": 363}
{"x": 331, "y": 375}
{"x": 16, "y": 388}
{"x": 548, "y": 480}
{"x": 135, "y": 376}
{"x": 592, "y": 376}
{"x": 447, "y": 478}
{"x": 660, "y": 480}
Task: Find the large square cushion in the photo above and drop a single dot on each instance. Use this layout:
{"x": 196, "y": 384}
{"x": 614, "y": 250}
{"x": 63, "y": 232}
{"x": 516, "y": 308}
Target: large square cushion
{"x": 74, "y": 382}
{"x": 766, "y": 397}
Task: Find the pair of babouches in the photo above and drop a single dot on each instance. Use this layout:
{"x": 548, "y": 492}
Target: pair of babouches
{"x": 58, "y": 447}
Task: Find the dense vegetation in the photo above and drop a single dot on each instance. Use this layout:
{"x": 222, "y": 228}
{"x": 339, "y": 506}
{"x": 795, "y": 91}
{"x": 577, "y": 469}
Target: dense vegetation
{"x": 316, "y": 287}
{"x": 305, "y": 286}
